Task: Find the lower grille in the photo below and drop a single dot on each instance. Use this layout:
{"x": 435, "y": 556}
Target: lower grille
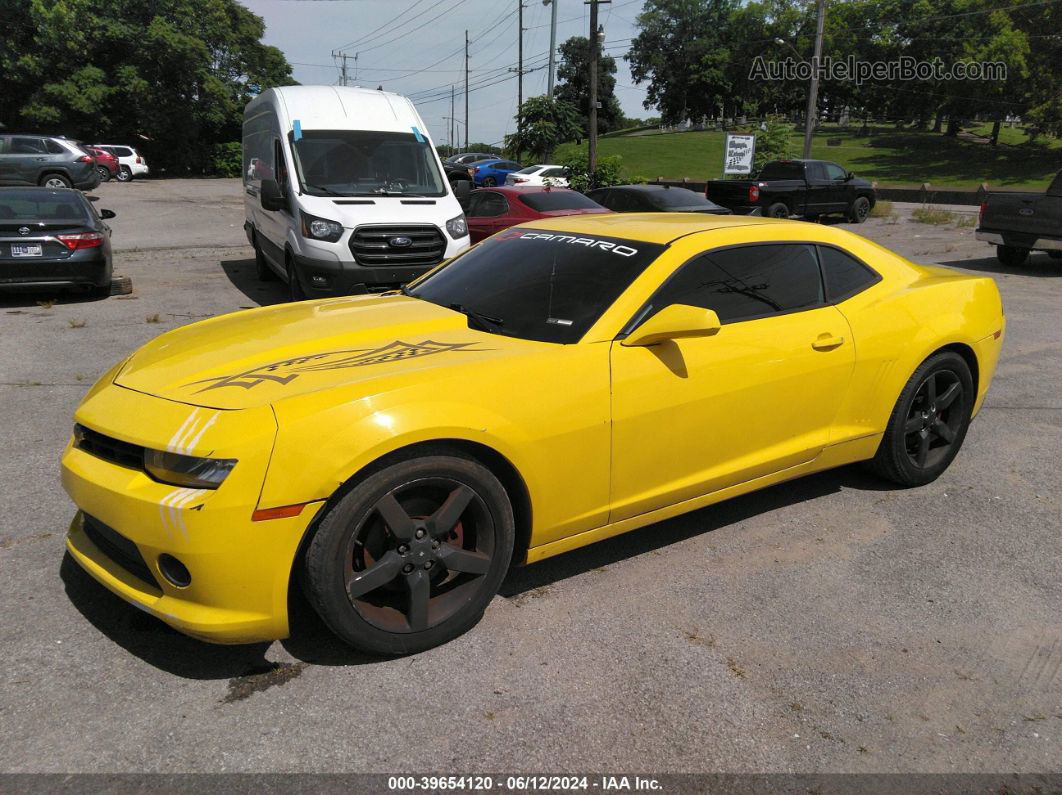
{"x": 119, "y": 549}
{"x": 375, "y": 245}
{"x": 108, "y": 448}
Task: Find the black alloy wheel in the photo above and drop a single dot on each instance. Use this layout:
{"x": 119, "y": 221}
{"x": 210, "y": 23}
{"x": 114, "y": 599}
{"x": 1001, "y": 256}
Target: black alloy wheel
{"x": 411, "y": 557}
{"x": 778, "y": 210}
{"x": 928, "y": 423}
{"x": 859, "y": 211}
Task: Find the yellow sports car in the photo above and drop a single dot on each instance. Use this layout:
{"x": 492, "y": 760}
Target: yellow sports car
{"x": 555, "y": 385}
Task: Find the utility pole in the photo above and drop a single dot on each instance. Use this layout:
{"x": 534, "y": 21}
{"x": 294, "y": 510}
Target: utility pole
{"x": 343, "y": 68}
{"x": 453, "y": 122}
{"x": 552, "y": 44}
{"x": 595, "y": 53}
{"x": 519, "y": 75}
{"x": 813, "y": 89}
{"x": 466, "y": 90}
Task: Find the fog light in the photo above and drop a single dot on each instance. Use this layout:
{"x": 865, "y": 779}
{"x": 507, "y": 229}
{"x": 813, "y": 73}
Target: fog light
{"x": 174, "y": 571}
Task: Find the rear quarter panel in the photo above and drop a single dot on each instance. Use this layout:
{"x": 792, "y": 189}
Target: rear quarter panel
{"x": 899, "y": 323}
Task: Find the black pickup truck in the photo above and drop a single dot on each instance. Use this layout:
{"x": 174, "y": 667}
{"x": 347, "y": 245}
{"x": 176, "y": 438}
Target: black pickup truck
{"x": 1018, "y": 223}
{"x": 805, "y": 188}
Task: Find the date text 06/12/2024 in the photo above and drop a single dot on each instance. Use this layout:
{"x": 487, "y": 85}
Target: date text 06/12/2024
{"x": 519, "y": 783}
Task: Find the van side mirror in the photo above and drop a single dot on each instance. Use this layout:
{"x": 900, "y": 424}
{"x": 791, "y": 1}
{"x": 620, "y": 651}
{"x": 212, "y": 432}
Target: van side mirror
{"x": 271, "y": 196}
{"x": 678, "y": 321}
{"x": 105, "y": 214}
{"x": 462, "y": 190}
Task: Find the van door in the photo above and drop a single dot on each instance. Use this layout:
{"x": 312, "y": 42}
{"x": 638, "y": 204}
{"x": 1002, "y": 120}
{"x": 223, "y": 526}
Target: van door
{"x": 273, "y": 225}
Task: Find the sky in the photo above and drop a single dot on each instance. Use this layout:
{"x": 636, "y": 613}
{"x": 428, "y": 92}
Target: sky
{"x": 416, "y": 48}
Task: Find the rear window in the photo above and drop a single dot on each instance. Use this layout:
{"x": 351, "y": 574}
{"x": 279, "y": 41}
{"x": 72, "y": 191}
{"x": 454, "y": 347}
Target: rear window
{"x": 120, "y": 151}
{"x": 676, "y": 197}
{"x": 545, "y": 201}
{"x": 39, "y": 205}
{"x": 782, "y": 169}
{"x": 530, "y": 170}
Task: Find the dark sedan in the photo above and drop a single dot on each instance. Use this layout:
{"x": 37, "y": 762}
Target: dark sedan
{"x": 654, "y": 199}
{"x": 53, "y": 237}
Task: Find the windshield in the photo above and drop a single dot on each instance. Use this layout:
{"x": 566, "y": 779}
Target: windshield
{"x": 538, "y": 285}
{"x": 545, "y": 201}
{"x": 366, "y": 163}
{"x": 676, "y": 197}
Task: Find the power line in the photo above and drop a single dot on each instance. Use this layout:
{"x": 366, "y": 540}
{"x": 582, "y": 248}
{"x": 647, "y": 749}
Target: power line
{"x": 371, "y": 33}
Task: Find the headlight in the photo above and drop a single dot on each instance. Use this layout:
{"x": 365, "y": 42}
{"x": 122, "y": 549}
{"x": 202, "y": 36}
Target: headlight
{"x": 320, "y": 228}
{"x": 187, "y": 470}
{"x": 457, "y": 227}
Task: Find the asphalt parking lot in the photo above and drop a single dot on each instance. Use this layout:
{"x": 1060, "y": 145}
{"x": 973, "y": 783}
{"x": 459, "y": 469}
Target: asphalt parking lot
{"x": 830, "y": 624}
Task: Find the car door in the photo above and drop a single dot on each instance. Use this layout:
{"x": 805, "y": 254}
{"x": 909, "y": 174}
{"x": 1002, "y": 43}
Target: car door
{"x": 29, "y": 155}
{"x": 693, "y": 416}
{"x": 486, "y": 213}
{"x": 818, "y": 197}
{"x": 839, "y": 193}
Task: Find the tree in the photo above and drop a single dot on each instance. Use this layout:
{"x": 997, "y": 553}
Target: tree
{"x": 573, "y": 74}
{"x": 171, "y": 76}
{"x": 546, "y": 124}
{"x": 683, "y": 50}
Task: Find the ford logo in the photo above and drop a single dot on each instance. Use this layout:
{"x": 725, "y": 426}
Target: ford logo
{"x": 400, "y": 242}
{"x": 23, "y": 230}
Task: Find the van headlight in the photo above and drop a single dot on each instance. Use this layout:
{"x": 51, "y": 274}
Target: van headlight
{"x": 456, "y": 227}
{"x": 187, "y": 470}
{"x": 320, "y": 228}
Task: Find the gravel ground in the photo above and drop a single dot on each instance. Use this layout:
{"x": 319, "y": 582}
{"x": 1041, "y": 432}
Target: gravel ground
{"x": 832, "y": 624}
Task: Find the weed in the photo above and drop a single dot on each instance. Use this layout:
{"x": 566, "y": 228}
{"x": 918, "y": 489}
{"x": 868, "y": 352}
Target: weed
{"x": 965, "y": 222}
{"x": 46, "y": 304}
{"x": 155, "y": 318}
{"x": 927, "y": 214}
{"x": 77, "y": 323}
{"x": 882, "y": 209}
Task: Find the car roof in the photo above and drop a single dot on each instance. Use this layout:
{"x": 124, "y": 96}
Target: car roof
{"x": 654, "y": 227}
{"x": 519, "y": 190}
{"x": 647, "y": 188}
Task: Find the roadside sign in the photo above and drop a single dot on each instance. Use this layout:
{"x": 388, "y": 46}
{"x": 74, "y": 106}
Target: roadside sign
{"x": 738, "y": 154}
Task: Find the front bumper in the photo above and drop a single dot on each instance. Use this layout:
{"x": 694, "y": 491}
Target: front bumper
{"x": 240, "y": 570}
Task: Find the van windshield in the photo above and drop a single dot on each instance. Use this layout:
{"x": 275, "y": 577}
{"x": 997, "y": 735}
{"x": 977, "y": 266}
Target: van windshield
{"x": 366, "y": 163}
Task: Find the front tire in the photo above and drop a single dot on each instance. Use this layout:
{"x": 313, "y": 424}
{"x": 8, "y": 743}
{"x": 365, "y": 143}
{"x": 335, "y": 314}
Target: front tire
{"x": 859, "y": 210}
{"x": 412, "y": 555}
{"x": 294, "y": 285}
{"x": 1011, "y": 256}
{"x": 929, "y": 422}
{"x": 261, "y": 267}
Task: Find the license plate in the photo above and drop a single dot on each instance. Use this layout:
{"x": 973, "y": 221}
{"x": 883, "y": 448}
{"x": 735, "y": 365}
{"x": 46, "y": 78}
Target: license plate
{"x": 30, "y": 250}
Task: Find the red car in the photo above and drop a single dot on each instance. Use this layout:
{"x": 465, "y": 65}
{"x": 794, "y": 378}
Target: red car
{"x": 491, "y": 210}
{"x": 106, "y": 163}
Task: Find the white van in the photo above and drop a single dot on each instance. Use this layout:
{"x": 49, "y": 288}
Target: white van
{"x": 344, "y": 192}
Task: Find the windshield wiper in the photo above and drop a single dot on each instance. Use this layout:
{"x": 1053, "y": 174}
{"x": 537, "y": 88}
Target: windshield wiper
{"x": 328, "y": 191}
{"x": 483, "y": 321}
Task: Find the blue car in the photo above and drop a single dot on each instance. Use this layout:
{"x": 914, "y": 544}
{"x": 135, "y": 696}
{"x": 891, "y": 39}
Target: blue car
{"x": 488, "y": 173}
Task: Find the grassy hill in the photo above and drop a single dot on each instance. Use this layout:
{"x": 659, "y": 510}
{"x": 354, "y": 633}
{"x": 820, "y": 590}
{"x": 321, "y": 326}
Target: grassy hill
{"x": 890, "y": 156}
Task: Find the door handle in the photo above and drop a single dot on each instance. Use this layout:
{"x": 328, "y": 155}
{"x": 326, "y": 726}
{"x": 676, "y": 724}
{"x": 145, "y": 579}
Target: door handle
{"x": 827, "y": 342}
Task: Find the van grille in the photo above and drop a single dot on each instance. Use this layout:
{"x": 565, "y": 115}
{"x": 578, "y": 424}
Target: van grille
{"x": 372, "y": 246}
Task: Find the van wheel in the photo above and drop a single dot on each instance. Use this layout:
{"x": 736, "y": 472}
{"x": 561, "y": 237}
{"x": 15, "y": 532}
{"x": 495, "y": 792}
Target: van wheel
{"x": 294, "y": 285}
{"x": 412, "y": 555}
{"x": 261, "y": 267}
{"x": 55, "y": 181}
{"x": 778, "y": 210}
{"x": 124, "y": 174}
{"x": 1011, "y": 256}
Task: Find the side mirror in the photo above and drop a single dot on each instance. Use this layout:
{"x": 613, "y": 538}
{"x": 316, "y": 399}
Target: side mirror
{"x": 848, "y": 176}
{"x": 678, "y": 321}
{"x": 462, "y": 190}
{"x": 105, "y": 214}
{"x": 271, "y": 196}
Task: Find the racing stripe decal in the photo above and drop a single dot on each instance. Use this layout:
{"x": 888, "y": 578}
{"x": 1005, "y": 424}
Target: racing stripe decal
{"x": 172, "y": 446}
{"x": 191, "y": 444}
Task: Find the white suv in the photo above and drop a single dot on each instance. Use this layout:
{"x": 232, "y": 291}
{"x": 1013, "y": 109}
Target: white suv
{"x": 539, "y": 176}
{"x": 130, "y": 162}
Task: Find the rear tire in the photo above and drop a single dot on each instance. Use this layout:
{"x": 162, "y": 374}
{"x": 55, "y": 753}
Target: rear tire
{"x": 489, "y": 182}
{"x": 56, "y": 181}
{"x": 778, "y": 210}
{"x": 104, "y": 172}
{"x": 1011, "y": 256}
{"x": 929, "y": 422}
{"x": 412, "y": 555}
{"x": 859, "y": 210}
{"x": 124, "y": 174}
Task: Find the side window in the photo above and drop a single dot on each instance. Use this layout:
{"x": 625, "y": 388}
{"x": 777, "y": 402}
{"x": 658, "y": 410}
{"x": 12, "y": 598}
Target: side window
{"x": 493, "y": 204}
{"x": 844, "y": 275}
{"x": 815, "y": 171}
{"x": 27, "y": 146}
{"x": 745, "y": 282}
{"x": 54, "y": 147}
{"x": 474, "y": 202}
{"x": 5, "y": 144}
{"x": 552, "y": 173}
{"x": 280, "y": 167}
{"x": 834, "y": 171}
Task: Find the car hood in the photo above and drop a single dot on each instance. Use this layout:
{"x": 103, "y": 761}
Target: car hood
{"x": 256, "y": 357}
